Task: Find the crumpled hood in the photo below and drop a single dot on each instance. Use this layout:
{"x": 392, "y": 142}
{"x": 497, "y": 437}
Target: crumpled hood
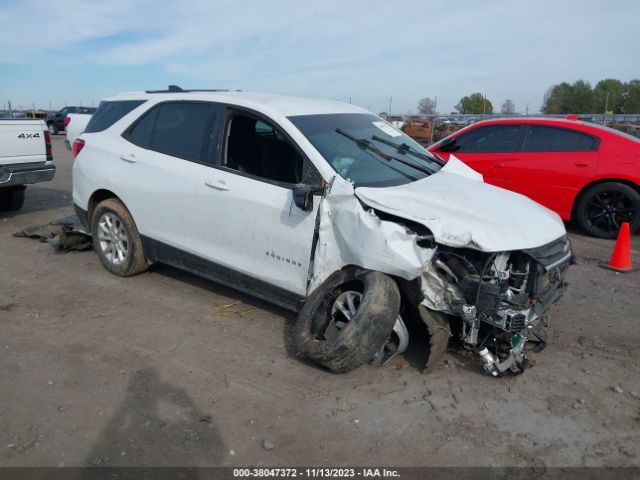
{"x": 463, "y": 211}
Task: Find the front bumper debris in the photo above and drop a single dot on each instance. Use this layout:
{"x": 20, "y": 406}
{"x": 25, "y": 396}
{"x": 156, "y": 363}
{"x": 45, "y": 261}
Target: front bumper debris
{"x": 497, "y": 299}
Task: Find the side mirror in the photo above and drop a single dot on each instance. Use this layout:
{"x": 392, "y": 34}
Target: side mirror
{"x": 448, "y": 145}
{"x": 303, "y": 197}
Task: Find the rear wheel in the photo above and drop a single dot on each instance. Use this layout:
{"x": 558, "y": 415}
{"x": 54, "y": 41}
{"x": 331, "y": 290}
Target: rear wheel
{"x": 604, "y": 207}
{"x": 116, "y": 239}
{"x": 12, "y": 199}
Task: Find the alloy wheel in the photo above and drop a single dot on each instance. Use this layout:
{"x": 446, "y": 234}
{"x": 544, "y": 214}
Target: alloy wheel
{"x": 112, "y": 238}
{"x": 607, "y": 211}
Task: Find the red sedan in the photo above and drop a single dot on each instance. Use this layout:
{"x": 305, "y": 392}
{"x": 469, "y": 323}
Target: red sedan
{"x": 581, "y": 170}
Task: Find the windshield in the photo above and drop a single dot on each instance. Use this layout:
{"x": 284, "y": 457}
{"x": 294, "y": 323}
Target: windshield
{"x": 366, "y": 150}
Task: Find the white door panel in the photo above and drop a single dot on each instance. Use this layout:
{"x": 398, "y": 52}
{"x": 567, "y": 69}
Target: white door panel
{"x": 163, "y": 193}
{"x": 255, "y": 228}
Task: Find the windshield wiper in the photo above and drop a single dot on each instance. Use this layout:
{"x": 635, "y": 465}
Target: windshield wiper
{"x": 366, "y": 144}
{"x": 405, "y": 148}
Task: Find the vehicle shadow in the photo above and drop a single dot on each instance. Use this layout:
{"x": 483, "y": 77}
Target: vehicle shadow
{"x": 202, "y": 283}
{"x": 157, "y": 425}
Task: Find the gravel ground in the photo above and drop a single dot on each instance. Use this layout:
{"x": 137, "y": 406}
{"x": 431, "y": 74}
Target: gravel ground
{"x": 168, "y": 369}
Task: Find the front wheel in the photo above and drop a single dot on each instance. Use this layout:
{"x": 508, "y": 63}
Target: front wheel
{"x": 347, "y": 320}
{"x": 116, "y": 239}
{"x": 604, "y": 207}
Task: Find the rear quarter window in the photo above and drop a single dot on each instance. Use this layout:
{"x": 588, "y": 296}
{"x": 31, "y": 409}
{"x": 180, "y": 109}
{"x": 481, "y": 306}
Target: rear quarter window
{"x": 109, "y": 113}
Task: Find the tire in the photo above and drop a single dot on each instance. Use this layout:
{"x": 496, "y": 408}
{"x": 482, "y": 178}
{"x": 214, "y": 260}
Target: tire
{"x": 360, "y": 338}
{"x": 53, "y": 128}
{"x": 12, "y": 199}
{"x": 116, "y": 239}
{"x": 603, "y": 208}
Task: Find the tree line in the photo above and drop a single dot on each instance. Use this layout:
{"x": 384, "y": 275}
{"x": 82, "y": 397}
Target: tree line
{"x": 608, "y": 96}
{"x": 475, "y": 103}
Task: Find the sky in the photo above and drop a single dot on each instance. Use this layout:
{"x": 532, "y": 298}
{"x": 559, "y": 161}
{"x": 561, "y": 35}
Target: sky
{"x": 366, "y": 52}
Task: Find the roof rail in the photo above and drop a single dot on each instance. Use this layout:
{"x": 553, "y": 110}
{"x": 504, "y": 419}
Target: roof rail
{"x": 177, "y": 89}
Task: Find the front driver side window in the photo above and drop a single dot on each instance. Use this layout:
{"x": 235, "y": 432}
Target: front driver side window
{"x": 493, "y": 139}
{"x": 257, "y": 148}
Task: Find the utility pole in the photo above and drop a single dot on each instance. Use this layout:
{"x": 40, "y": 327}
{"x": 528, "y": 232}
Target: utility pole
{"x": 390, "y": 100}
{"x": 433, "y": 118}
{"x": 527, "y": 108}
{"x": 606, "y": 104}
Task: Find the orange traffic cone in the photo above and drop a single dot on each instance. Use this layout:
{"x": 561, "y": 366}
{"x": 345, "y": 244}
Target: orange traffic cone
{"x": 621, "y": 255}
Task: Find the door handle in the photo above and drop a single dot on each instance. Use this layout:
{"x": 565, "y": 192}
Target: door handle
{"x": 581, "y": 164}
{"x": 131, "y": 158}
{"x": 498, "y": 165}
{"x": 217, "y": 184}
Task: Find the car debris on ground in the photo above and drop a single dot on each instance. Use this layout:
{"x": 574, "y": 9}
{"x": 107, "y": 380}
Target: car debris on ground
{"x": 65, "y": 235}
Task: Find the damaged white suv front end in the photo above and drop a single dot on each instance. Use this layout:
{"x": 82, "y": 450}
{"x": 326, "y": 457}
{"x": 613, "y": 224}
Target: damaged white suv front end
{"x": 480, "y": 265}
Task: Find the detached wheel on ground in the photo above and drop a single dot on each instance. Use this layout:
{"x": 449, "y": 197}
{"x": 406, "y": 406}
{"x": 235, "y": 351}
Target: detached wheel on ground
{"x": 604, "y": 207}
{"x": 12, "y": 199}
{"x": 53, "y": 129}
{"x": 116, "y": 239}
{"x": 347, "y": 320}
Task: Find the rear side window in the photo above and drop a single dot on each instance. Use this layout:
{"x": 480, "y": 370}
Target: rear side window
{"x": 553, "y": 139}
{"x": 180, "y": 129}
{"x": 493, "y": 139}
{"x": 109, "y": 113}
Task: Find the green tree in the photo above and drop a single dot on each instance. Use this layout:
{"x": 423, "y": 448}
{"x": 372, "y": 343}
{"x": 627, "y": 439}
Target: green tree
{"x": 609, "y": 95}
{"x": 475, "y": 103}
{"x": 582, "y": 98}
{"x": 556, "y": 100}
{"x": 631, "y": 96}
{"x": 578, "y": 97}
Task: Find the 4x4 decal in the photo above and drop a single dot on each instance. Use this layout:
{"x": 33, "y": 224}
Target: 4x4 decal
{"x": 29, "y": 135}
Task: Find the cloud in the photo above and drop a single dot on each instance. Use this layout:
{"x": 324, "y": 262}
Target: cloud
{"x": 368, "y": 50}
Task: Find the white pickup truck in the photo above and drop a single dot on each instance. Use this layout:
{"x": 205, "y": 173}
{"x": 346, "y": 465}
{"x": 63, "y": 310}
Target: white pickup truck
{"x": 25, "y": 157}
{"x": 75, "y": 123}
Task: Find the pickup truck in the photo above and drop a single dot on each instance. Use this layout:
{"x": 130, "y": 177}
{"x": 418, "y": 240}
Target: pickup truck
{"x": 55, "y": 121}
{"x": 26, "y": 157}
{"x": 75, "y": 123}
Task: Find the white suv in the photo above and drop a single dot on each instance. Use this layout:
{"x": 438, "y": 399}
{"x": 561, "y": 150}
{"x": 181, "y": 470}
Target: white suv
{"x": 325, "y": 209}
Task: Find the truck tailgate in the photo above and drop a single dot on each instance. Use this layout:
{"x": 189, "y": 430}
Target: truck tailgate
{"x": 22, "y": 141}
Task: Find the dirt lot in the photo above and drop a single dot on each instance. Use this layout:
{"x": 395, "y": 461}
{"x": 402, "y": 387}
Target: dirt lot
{"x": 168, "y": 369}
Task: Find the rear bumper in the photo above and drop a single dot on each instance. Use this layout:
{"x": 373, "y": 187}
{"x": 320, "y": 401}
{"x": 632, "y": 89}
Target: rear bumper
{"x": 24, "y": 174}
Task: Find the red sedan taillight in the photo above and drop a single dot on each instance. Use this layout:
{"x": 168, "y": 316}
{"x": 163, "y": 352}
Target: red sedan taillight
{"x": 47, "y": 143}
{"x": 67, "y": 121}
{"x": 77, "y": 146}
